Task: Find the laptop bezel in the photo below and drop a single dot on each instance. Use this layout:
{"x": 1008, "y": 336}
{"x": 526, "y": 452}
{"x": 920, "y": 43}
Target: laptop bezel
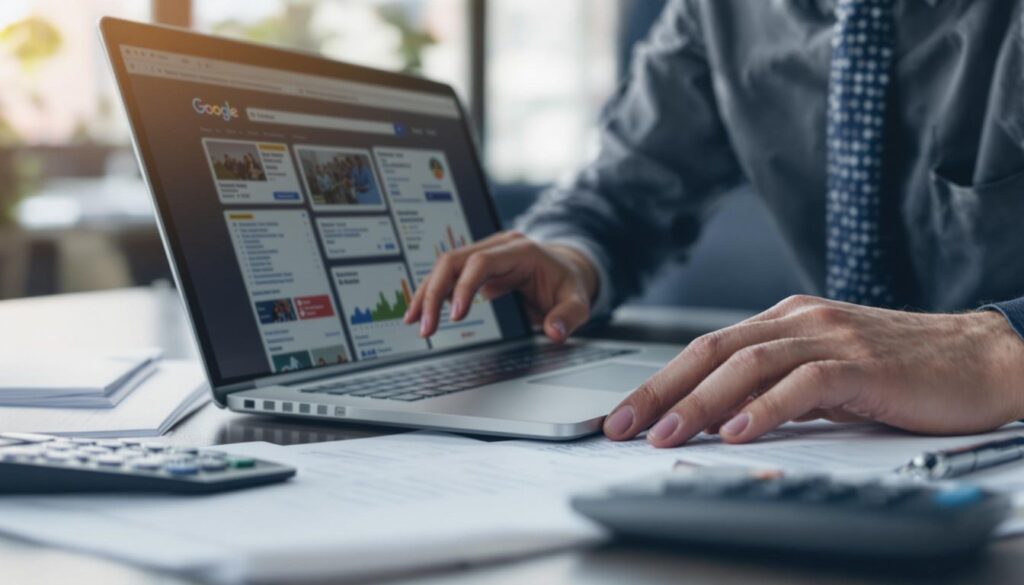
{"x": 116, "y": 32}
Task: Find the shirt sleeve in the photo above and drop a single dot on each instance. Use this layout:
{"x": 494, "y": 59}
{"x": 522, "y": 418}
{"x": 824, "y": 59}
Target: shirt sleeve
{"x": 663, "y": 157}
{"x": 1013, "y": 310}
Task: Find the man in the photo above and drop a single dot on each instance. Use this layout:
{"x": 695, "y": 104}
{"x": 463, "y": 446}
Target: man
{"x": 886, "y": 137}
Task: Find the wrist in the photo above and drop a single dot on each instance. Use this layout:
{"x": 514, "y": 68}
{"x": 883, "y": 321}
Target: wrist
{"x": 1005, "y": 354}
{"x": 580, "y": 265}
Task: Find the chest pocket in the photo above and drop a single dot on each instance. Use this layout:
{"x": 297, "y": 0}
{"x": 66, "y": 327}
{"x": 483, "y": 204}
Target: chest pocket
{"x": 977, "y": 241}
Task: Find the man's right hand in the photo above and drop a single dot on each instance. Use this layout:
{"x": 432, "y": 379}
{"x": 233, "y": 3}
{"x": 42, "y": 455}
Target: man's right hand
{"x": 557, "y": 283}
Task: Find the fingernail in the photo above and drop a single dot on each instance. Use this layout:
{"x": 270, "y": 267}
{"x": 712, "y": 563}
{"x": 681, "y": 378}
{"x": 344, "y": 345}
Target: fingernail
{"x": 424, "y": 326}
{"x": 736, "y": 424}
{"x": 456, "y": 309}
{"x": 665, "y": 427}
{"x": 619, "y": 421}
{"x": 559, "y": 326}
{"x": 405, "y": 316}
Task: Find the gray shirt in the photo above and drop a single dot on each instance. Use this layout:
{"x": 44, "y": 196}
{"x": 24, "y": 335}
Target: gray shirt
{"x": 727, "y": 91}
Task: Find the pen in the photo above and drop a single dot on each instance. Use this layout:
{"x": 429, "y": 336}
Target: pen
{"x": 963, "y": 460}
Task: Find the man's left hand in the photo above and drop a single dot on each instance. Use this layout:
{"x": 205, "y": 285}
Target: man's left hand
{"x": 808, "y": 358}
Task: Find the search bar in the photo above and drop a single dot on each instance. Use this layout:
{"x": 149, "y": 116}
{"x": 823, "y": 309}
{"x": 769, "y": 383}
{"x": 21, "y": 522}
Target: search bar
{"x": 322, "y": 122}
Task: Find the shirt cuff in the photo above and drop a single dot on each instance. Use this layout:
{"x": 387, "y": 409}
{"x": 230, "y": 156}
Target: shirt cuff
{"x": 601, "y": 304}
{"x": 1013, "y": 311}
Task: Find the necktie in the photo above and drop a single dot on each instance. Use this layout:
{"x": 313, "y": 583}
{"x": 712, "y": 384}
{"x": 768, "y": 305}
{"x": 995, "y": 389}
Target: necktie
{"x": 858, "y": 269}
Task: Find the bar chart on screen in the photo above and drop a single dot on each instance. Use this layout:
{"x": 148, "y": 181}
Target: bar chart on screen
{"x": 374, "y": 298}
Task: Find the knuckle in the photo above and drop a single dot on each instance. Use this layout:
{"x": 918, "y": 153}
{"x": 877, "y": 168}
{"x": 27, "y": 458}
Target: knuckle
{"x": 706, "y": 346}
{"x": 477, "y": 262}
{"x": 647, "y": 396}
{"x": 772, "y": 407}
{"x": 444, "y": 262}
{"x": 752, "y": 357}
{"x": 816, "y": 374}
{"x": 515, "y": 235}
{"x": 827, "y": 315}
{"x": 796, "y": 301}
{"x": 697, "y": 408}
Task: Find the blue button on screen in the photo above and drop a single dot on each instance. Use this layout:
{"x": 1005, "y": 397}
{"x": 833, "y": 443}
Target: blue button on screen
{"x": 286, "y": 195}
{"x": 438, "y": 195}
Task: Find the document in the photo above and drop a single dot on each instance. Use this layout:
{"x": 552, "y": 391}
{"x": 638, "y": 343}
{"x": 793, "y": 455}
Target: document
{"x": 825, "y": 447}
{"x": 78, "y": 381}
{"x": 356, "y": 508}
{"x": 391, "y": 505}
{"x": 174, "y": 390}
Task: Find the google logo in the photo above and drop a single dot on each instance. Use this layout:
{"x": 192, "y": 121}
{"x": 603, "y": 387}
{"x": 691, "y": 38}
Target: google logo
{"x": 226, "y": 111}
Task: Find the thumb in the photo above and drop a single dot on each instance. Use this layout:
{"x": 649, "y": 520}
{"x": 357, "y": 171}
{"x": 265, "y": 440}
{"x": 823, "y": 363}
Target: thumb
{"x": 571, "y": 312}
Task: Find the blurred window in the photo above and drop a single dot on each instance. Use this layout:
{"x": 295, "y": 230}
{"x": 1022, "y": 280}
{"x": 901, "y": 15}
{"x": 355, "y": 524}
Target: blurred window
{"x": 551, "y": 64}
{"x": 426, "y": 37}
{"x": 57, "y": 88}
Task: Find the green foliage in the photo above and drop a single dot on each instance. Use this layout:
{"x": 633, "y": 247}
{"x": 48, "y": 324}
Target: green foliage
{"x": 289, "y": 28}
{"x": 413, "y": 41}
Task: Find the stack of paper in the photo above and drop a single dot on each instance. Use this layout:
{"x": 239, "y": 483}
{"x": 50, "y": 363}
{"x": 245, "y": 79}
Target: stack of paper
{"x": 389, "y": 505}
{"x": 78, "y": 381}
{"x": 173, "y": 390}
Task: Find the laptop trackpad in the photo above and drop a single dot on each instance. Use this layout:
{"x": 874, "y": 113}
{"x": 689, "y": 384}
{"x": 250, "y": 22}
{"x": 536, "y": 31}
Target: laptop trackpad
{"x": 615, "y": 377}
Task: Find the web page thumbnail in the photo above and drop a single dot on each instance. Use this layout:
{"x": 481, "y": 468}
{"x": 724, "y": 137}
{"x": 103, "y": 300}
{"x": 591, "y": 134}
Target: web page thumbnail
{"x": 252, "y": 172}
{"x": 374, "y": 298}
{"x": 339, "y": 179}
{"x": 357, "y": 237}
{"x": 288, "y": 288}
{"x": 431, "y": 221}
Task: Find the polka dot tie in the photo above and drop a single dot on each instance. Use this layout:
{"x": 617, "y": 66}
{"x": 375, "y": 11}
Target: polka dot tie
{"x": 861, "y": 64}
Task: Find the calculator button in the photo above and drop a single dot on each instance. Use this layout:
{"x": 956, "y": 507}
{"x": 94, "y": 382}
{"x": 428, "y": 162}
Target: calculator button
{"x": 212, "y": 464}
{"x": 94, "y": 450}
{"x": 83, "y": 441}
{"x": 132, "y": 442}
{"x": 57, "y": 456}
{"x": 155, "y": 447}
{"x": 181, "y": 468}
{"x": 109, "y": 460}
{"x": 241, "y": 462}
{"x": 21, "y": 453}
{"x": 148, "y": 463}
{"x": 109, "y": 444}
{"x": 184, "y": 451}
{"x": 957, "y": 497}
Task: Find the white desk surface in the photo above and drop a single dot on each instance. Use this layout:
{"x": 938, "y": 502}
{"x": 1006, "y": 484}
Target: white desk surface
{"x": 154, "y": 317}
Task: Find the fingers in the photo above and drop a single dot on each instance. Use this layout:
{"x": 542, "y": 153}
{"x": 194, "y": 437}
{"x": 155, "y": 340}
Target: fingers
{"x": 569, "y": 314}
{"x": 435, "y": 288}
{"x": 819, "y": 384}
{"x": 485, "y": 265}
{"x": 682, "y": 374}
{"x": 729, "y": 386}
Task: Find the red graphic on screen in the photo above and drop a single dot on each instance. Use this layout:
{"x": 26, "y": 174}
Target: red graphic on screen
{"x": 314, "y": 307}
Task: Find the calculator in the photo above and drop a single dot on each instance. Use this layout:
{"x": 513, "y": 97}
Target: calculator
{"x": 37, "y": 464}
{"x": 800, "y": 513}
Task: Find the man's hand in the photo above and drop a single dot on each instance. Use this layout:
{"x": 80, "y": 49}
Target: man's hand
{"x": 811, "y": 358}
{"x": 556, "y": 281}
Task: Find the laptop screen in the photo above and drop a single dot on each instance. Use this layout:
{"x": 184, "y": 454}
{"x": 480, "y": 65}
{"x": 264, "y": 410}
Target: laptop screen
{"x": 303, "y": 209}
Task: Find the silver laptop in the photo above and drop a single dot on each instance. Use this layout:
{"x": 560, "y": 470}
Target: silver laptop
{"x": 301, "y": 201}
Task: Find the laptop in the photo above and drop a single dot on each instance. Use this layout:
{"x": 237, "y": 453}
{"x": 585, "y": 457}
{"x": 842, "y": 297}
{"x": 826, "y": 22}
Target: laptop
{"x": 301, "y": 201}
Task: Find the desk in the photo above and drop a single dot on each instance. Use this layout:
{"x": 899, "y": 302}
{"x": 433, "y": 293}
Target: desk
{"x": 153, "y": 317}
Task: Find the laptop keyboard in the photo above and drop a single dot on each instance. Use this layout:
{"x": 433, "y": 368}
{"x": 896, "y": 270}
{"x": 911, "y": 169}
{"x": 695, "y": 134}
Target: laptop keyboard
{"x": 441, "y": 379}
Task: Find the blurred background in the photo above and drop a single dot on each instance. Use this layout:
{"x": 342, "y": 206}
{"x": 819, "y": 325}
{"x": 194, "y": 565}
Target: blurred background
{"x": 75, "y": 216}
